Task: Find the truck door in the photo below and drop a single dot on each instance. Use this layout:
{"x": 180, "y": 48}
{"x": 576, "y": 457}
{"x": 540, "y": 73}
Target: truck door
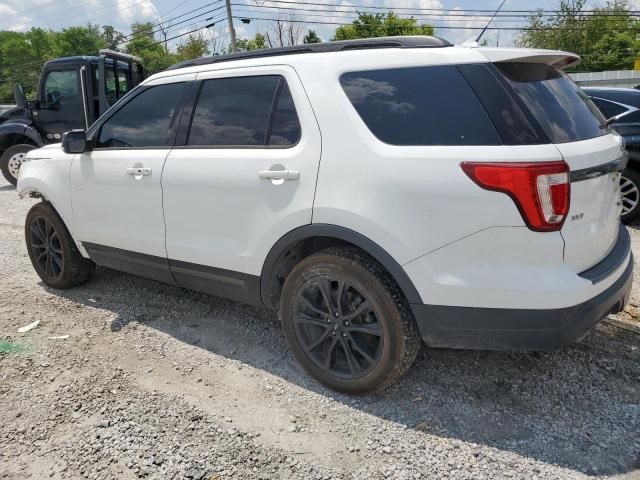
{"x": 61, "y": 106}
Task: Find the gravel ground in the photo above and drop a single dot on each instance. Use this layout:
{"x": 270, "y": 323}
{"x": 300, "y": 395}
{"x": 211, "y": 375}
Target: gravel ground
{"x": 158, "y": 382}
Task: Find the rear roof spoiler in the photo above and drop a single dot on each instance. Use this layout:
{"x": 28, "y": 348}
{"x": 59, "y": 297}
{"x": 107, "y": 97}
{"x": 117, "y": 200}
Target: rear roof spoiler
{"x": 556, "y": 58}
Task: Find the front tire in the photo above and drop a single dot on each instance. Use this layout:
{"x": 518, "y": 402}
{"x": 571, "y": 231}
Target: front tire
{"x": 52, "y": 251}
{"x": 346, "y": 321}
{"x": 12, "y": 159}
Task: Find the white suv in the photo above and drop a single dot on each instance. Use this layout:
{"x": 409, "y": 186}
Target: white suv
{"x": 374, "y": 192}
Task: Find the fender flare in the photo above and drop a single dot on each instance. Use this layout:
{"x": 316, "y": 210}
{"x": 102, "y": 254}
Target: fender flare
{"x": 341, "y": 233}
{"x": 21, "y": 129}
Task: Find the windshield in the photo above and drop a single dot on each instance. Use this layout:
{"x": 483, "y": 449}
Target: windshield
{"x": 564, "y": 112}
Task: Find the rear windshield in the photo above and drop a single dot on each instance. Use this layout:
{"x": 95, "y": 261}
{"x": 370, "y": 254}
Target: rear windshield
{"x": 563, "y": 111}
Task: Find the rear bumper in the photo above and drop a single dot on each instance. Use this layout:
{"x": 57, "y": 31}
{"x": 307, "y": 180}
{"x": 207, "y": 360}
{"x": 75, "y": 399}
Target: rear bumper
{"x": 520, "y": 329}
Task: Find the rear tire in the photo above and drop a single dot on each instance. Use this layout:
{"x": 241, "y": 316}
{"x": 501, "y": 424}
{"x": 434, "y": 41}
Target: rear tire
{"x": 52, "y": 251}
{"x": 346, "y": 321}
{"x": 11, "y": 160}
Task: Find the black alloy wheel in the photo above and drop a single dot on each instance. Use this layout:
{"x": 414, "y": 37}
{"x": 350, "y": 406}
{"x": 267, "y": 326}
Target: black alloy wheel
{"x": 338, "y": 328}
{"x": 53, "y": 253}
{"x": 346, "y": 321}
{"x": 46, "y": 249}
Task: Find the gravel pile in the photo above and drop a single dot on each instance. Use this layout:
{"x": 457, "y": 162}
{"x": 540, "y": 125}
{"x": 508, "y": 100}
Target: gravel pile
{"x": 157, "y": 382}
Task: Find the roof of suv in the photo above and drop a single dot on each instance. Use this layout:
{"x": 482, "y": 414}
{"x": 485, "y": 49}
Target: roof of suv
{"x": 370, "y": 53}
{"x": 339, "y": 46}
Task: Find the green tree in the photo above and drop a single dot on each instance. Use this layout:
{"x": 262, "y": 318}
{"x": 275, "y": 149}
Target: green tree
{"x": 112, "y": 37}
{"x": 605, "y": 37}
{"x": 370, "y": 25}
{"x": 246, "y": 44}
{"x": 195, "y": 46}
{"x": 144, "y": 44}
{"x": 18, "y": 64}
{"x": 42, "y": 42}
{"x": 78, "y": 41}
{"x": 312, "y": 37}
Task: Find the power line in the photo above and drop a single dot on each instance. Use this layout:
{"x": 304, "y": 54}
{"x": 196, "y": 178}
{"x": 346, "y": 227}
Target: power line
{"x": 366, "y": 9}
{"x": 172, "y": 10}
{"x": 393, "y": 8}
{"x": 477, "y": 13}
{"x": 136, "y": 35}
{"x": 328, "y": 15}
{"x": 444, "y": 27}
{"x": 217, "y": 2}
{"x": 67, "y": 17}
{"x": 23, "y": 12}
{"x": 187, "y": 33}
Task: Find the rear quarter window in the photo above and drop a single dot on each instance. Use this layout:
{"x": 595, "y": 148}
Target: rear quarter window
{"x": 420, "y": 106}
{"x": 562, "y": 110}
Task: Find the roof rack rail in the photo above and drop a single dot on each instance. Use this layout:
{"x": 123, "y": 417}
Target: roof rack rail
{"x": 339, "y": 46}
{"x": 119, "y": 55}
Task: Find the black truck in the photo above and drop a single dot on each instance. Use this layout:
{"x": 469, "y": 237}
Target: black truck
{"x": 72, "y": 93}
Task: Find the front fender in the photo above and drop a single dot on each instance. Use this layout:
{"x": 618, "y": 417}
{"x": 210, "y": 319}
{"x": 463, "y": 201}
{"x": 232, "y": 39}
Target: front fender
{"x": 48, "y": 178}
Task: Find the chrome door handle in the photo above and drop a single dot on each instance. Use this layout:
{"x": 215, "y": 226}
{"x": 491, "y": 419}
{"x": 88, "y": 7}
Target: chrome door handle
{"x": 279, "y": 175}
{"x": 139, "y": 171}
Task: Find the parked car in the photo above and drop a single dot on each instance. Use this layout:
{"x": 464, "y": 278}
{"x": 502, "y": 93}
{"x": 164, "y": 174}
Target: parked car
{"x": 622, "y": 105}
{"x": 374, "y": 192}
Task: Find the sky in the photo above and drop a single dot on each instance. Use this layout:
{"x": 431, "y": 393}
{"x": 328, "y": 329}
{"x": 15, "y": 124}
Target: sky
{"x": 21, "y": 15}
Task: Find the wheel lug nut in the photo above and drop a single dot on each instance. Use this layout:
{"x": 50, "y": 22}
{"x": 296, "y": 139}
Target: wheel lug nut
{"x": 344, "y": 334}
{"x": 346, "y": 323}
{"x": 337, "y": 314}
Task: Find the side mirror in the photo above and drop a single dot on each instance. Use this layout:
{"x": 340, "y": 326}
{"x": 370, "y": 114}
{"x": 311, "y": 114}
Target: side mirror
{"x": 75, "y": 141}
{"x": 18, "y": 94}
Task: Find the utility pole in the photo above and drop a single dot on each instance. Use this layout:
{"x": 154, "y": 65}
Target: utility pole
{"x": 232, "y": 31}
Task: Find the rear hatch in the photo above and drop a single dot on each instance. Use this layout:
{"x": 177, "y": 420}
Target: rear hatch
{"x": 558, "y": 112}
{"x": 591, "y": 228}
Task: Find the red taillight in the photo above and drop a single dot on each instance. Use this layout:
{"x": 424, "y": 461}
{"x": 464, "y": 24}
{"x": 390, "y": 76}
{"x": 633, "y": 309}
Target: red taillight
{"x": 539, "y": 190}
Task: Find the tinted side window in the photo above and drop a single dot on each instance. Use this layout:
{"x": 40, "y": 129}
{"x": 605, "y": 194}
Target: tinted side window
{"x": 237, "y": 111}
{"x": 285, "y": 128}
{"x": 502, "y": 105}
{"x": 563, "y": 110}
{"x": 144, "y": 121}
{"x": 420, "y": 106}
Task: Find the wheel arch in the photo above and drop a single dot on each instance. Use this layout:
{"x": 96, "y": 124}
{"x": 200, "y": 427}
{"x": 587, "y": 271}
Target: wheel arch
{"x": 48, "y": 180}
{"x": 15, "y": 133}
{"x": 308, "y": 239}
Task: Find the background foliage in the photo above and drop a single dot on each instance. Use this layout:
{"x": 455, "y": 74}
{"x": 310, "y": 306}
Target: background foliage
{"x": 606, "y": 37}
{"x": 22, "y": 54}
